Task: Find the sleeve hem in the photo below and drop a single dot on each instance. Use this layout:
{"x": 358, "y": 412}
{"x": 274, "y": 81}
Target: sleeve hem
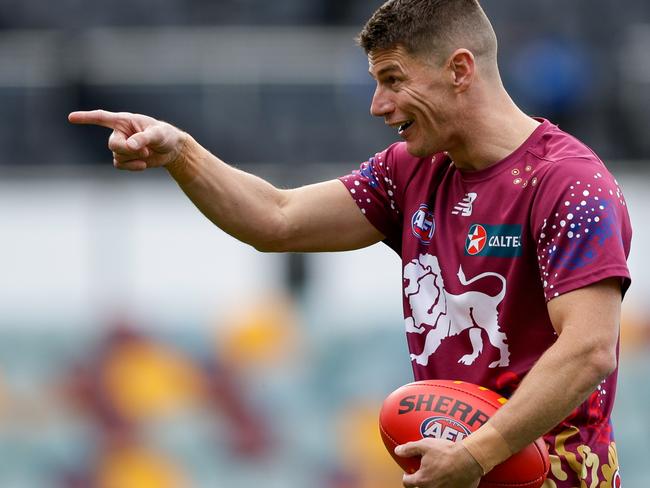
{"x": 379, "y": 224}
{"x": 582, "y": 281}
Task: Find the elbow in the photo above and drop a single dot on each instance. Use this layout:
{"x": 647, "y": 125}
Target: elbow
{"x": 270, "y": 246}
{"x": 603, "y": 361}
{"x": 277, "y": 235}
{"x": 276, "y": 240}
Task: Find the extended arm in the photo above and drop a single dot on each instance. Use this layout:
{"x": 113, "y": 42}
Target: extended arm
{"x": 319, "y": 217}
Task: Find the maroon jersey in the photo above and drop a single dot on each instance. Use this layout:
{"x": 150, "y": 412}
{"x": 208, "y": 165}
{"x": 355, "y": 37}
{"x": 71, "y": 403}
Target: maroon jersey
{"x": 482, "y": 254}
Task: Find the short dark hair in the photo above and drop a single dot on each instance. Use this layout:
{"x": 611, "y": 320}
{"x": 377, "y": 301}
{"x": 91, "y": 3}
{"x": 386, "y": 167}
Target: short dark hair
{"x": 430, "y": 26}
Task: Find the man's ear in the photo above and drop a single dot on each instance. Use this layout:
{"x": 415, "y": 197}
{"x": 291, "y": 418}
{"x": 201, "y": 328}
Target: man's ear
{"x": 463, "y": 68}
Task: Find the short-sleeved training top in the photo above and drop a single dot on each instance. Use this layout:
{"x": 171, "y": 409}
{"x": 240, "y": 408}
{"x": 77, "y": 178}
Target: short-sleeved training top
{"x": 482, "y": 254}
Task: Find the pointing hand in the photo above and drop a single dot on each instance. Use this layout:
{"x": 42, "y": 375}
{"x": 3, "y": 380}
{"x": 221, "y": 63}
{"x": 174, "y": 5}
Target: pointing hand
{"x": 138, "y": 142}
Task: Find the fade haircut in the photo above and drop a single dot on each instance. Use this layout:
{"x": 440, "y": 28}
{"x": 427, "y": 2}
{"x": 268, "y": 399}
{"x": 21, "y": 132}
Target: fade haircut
{"x": 425, "y": 27}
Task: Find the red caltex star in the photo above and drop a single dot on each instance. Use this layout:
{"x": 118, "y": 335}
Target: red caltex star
{"x": 476, "y": 239}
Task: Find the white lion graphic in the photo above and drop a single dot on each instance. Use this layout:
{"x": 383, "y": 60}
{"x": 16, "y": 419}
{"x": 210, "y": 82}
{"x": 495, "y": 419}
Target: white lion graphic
{"x": 441, "y": 314}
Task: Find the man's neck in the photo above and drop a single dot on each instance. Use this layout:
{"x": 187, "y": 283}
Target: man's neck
{"x": 492, "y": 136}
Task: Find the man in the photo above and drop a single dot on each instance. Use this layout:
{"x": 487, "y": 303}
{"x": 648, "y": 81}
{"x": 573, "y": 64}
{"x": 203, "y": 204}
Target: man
{"x": 512, "y": 233}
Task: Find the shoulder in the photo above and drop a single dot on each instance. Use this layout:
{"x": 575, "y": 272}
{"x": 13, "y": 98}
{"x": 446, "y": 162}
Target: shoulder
{"x": 560, "y": 151}
{"x": 563, "y": 160}
{"x": 569, "y": 178}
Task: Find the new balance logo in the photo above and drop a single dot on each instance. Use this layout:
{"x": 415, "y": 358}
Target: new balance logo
{"x": 464, "y": 207}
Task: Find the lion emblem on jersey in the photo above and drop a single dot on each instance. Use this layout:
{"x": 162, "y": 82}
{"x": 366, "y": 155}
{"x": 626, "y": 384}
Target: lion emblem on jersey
{"x": 440, "y": 314}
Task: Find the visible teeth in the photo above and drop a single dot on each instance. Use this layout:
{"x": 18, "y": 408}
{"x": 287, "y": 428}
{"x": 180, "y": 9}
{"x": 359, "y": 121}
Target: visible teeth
{"x": 404, "y": 126}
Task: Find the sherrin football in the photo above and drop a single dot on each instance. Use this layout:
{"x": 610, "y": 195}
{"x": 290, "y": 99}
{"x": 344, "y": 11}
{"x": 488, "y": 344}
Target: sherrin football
{"x": 452, "y": 410}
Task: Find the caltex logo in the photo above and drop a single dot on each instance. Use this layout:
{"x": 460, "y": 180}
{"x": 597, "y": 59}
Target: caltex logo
{"x": 499, "y": 241}
{"x": 422, "y": 224}
{"x": 476, "y": 239}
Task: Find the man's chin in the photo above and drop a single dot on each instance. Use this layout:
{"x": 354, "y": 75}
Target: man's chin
{"x": 418, "y": 151}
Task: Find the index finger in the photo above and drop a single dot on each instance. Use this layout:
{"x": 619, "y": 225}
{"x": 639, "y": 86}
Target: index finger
{"x": 95, "y": 117}
{"x": 410, "y": 449}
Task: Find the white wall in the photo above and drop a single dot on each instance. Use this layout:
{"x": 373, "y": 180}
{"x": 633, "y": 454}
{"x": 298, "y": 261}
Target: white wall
{"x": 74, "y": 249}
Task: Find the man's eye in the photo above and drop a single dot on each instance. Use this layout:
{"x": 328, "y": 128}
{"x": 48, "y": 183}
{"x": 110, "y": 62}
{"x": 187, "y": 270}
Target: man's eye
{"x": 392, "y": 81}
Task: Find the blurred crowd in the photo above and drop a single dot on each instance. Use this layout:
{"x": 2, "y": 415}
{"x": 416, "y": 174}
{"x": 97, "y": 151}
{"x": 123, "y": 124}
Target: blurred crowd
{"x": 251, "y": 401}
{"x": 582, "y": 64}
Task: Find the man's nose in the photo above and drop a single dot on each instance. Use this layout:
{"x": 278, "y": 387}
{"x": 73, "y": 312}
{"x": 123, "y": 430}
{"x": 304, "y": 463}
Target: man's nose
{"x": 381, "y": 104}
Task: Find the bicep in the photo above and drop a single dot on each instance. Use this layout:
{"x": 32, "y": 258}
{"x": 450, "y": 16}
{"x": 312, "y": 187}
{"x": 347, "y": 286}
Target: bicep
{"x": 590, "y": 314}
{"x": 324, "y": 217}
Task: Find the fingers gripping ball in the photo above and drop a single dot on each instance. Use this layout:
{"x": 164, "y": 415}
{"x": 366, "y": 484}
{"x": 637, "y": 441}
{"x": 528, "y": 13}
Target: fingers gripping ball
{"x": 452, "y": 410}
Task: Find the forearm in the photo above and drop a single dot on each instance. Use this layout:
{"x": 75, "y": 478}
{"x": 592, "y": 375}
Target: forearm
{"x": 318, "y": 217}
{"x": 243, "y": 205}
{"x": 561, "y": 380}
{"x": 587, "y": 323}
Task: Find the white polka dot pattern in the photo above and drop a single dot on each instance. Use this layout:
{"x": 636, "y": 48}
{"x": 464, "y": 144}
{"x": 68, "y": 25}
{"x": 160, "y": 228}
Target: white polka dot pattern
{"x": 575, "y": 234}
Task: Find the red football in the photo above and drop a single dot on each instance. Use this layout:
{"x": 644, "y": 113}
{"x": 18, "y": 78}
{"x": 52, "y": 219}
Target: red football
{"x": 452, "y": 410}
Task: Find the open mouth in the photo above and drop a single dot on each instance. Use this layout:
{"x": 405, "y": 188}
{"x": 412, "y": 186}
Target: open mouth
{"x": 402, "y": 128}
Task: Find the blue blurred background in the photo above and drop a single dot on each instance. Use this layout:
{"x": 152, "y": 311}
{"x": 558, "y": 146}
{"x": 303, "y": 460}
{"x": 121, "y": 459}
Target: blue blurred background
{"x": 142, "y": 347}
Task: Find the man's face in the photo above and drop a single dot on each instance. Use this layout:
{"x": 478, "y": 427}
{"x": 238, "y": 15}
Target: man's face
{"x": 414, "y": 97}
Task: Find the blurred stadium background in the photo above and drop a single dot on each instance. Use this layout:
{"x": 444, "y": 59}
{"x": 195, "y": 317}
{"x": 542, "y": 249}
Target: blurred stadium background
{"x": 140, "y": 346}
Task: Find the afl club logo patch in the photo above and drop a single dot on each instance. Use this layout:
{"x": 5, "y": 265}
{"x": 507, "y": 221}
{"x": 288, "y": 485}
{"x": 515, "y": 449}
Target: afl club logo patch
{"x": 443, "y": 428}
{"x": 422, "y": 224}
